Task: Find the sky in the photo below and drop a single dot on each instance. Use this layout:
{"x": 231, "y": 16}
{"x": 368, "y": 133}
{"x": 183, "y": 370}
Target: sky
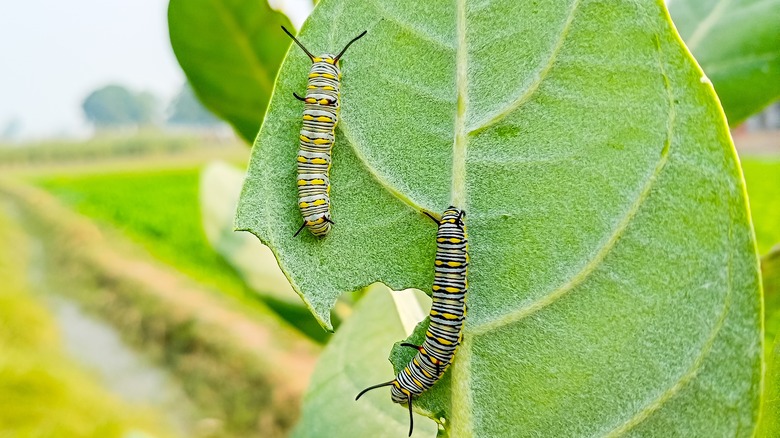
{"x": 53, "y": 53}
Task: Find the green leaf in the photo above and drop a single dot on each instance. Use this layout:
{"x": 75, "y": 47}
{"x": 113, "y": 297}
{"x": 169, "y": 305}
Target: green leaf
{"x": 737, "y": 43}
{"x": 614, "y": 284}
{"x": 230, "y": 51}
{"x": 356, "y": 358}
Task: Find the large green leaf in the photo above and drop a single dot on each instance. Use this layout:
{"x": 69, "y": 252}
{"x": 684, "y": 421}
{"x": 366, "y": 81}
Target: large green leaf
{"x": 614, "y": 280}
{"x": 230, "y": 51}
{"x": 356, "y": 358}
{"x": 737, "y": 43}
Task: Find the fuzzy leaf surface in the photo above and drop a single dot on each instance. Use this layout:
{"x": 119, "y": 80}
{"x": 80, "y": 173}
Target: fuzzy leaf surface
{"x": 614, "y": 286}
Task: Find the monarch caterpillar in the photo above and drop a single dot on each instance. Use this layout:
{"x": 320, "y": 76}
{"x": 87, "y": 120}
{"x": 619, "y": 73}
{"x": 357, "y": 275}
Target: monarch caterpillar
{"x": 320, "y": 117}
{"x": 446, "y": 317}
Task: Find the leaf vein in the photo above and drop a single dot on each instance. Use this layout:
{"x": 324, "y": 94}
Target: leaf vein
{"x": 602, "y": 253}
{"x": 374, "y": 174}
{"x": 541, "y": 75}
{"x": 689, "y": 374}
{"x": 243, "y": 44}
{"x": 706, "y": 24}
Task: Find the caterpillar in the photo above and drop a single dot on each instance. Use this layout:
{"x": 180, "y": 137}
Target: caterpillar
{"x": 448, "y": 311}
{"x": 320, "y": 117}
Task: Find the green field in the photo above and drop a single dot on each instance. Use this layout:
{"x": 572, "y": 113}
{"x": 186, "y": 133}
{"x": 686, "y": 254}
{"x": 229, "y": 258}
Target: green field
{"x": 763, "y": 184}
{"x": 158, "y": 209}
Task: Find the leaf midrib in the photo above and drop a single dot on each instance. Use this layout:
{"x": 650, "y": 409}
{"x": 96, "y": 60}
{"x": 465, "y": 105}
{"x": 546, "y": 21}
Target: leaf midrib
{"x": 243, "y": 44}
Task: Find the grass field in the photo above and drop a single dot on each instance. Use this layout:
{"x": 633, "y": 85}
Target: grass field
{"x": 42, "y": 392}
{"x": 158, "y": 209}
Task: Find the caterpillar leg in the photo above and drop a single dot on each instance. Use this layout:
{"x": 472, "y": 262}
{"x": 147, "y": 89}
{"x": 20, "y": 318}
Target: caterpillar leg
{"x": 303, "y": 225}
{"x": 431, "y": 216}
{"x": 299, "y": 97}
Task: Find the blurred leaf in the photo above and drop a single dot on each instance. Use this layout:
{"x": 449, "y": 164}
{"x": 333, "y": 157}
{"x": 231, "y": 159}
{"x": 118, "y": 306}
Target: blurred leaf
{"x": 770, "y": 270}
{"x": 220, "y": 186}
{"x": 613, "y": 279}
{"x": 737, "y": 43}
{"x": 356, "y": 358}
{"x": 230, "y": 51}
{"x": 770, "y": 417}
{"x": 770, "y": 273}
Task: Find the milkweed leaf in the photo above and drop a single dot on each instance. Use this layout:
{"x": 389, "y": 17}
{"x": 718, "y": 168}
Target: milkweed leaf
{"x": 614, "y": 285}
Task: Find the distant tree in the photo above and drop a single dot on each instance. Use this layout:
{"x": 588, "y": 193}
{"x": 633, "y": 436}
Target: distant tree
{"x": 11, "y": 129}
{"x": 186, "y": 109}
{"x": 115, "y": 105}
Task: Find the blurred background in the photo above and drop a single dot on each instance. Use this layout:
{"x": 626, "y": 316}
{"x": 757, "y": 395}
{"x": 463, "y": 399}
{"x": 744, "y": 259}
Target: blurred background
{"x": 128, "y": 307}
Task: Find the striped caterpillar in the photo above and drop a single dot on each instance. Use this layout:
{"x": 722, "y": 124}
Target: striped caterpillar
{"x": 320, "y": 117}
{"x": 446, "y": 318}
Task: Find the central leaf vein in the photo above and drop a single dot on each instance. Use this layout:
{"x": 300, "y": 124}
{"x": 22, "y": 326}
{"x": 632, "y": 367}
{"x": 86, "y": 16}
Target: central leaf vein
{"x": 458, "y": 195}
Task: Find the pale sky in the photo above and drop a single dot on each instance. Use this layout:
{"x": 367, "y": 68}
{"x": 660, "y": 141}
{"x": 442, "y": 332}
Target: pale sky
{"x": 53, "y": 53}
